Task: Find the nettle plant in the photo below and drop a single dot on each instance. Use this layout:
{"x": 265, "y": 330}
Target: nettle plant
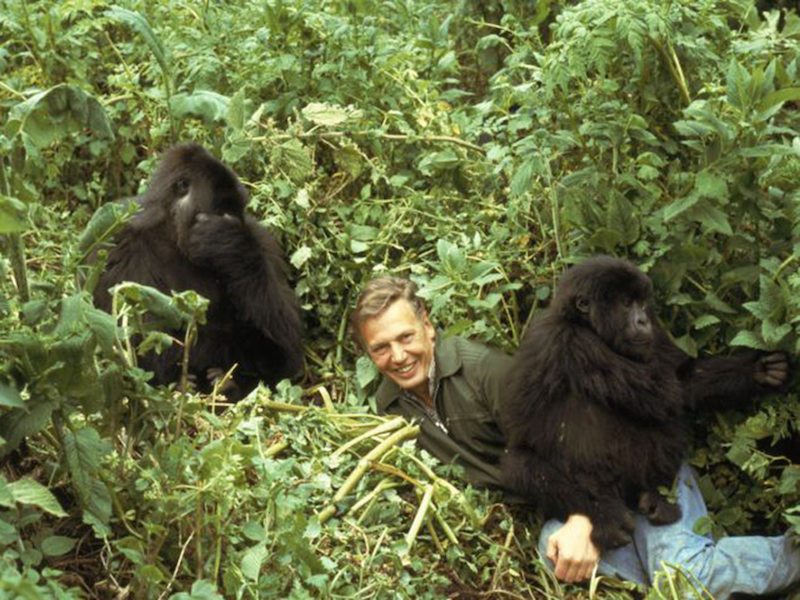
{"x": 475, "y": 148}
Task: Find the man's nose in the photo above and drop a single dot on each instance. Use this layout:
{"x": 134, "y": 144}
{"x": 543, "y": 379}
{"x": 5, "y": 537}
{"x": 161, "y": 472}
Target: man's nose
{"x": 398, "y": 353}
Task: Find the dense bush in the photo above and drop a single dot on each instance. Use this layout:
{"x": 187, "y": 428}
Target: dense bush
{"x": 477, "y": 148}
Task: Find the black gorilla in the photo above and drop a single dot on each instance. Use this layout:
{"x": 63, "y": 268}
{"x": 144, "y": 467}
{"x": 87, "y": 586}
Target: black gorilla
{"x": 596, "y": 418}
{"x": 192, "y": 232}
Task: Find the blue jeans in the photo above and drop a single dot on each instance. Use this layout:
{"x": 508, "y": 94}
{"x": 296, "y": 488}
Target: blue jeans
{"x": 747, "y": 564}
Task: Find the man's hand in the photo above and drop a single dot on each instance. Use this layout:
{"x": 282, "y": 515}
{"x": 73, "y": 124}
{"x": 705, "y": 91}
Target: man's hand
{"x": 572, "y": 550}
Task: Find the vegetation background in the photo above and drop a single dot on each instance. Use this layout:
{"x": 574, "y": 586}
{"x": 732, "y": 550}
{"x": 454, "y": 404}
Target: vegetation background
{"x": 476, "y": 147}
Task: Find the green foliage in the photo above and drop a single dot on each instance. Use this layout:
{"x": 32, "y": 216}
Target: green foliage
{"x": 477, "y": 148}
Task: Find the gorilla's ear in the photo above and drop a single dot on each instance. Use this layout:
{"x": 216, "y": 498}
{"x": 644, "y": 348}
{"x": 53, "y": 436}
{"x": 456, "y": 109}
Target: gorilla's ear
{"x": 582, "y": 304}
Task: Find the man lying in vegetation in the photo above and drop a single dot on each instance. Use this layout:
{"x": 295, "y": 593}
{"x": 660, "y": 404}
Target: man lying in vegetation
{"x": 453, "y": 388}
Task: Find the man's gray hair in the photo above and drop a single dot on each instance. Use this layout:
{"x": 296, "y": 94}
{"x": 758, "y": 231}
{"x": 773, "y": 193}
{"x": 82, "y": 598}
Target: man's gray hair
{"x": 377, "y": 296}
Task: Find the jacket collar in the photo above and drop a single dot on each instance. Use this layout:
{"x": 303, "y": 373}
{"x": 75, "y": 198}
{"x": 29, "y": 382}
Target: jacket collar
{"x": 448, "y": 363}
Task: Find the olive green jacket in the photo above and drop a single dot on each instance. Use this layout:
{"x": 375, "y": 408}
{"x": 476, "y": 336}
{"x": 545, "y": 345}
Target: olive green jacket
{"x": 470, "y": 380}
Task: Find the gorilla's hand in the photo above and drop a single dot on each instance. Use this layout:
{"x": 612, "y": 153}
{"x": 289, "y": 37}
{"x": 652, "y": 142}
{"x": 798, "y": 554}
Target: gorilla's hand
{"x": 216, "y": 241}
{"x": 613, "y": 526}
{"x": 772, "y": 370}
{"x": 658, "y": 509}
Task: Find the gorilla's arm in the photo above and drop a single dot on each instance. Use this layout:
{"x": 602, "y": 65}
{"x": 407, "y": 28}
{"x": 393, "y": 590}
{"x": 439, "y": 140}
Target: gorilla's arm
{"x": 731, "y": 380}
{"x": 247, "y": 260}
{"x": 558, "y": 496}
{"x": 725, "y": 381}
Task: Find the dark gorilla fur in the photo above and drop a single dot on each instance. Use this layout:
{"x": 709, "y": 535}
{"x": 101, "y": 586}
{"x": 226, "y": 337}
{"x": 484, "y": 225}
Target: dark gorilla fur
{"x": 192, "y": 232}
{"x": 595, "y": 421}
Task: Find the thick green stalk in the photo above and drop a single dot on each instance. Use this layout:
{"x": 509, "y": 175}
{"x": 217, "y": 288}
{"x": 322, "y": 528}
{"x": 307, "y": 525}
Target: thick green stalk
{"x": 16, "y": 250}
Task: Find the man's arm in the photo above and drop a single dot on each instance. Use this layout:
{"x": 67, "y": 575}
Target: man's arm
{"x": 572, "y": 551}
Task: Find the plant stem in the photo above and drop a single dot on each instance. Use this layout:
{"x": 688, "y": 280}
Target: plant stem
{"x": 16, "y": 249}
{"x": 409, "y": 431}
{"x": 419, "y": 519}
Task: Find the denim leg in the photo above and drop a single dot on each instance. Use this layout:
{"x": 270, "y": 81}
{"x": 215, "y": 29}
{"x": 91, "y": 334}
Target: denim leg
{"x": 746, "y": 564}
{"x": 622, "y": 563}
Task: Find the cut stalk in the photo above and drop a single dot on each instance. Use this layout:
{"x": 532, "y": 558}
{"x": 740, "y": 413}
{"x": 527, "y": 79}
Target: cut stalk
{"x": 419, "y": 519}
{"x": 409, "y": 431}
{"x": 375, "y": 431}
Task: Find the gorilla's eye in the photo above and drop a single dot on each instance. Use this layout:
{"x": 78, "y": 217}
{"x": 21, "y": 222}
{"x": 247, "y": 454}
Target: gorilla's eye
{"x": 182, "y": 186}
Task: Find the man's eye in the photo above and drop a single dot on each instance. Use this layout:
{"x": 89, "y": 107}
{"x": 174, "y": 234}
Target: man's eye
{"x": 380, "y": 350}
{"x": 407, "y": 337}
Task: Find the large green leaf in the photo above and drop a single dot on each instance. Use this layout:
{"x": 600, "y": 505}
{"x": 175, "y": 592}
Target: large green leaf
{"x": 29, "y": 491}
{"x": 13, "y": 216}
{"x": 141, "y": 26}
{"x": 57, "y": 112}
{"x": 19, "y": 423}
{"x": 206, "y": 105}
{"x": 83, "y": 452}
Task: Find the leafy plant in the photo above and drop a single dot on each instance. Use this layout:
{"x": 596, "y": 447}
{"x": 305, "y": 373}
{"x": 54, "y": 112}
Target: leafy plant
{"x": 476, "y": 148}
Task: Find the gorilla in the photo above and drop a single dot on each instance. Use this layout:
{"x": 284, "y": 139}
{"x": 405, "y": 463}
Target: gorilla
{"x": 596, "y": 419}
{"x": 192, "y": 232}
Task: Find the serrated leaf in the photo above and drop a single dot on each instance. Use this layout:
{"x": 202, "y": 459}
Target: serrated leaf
{"x": 704, "y": 321}
{"x": 83, "y": 453}
{"x": 300, "y": 256}
{"x": 202, "y": 590}
{"x": 738, "y": 80}
{"x": 104, "y": 328}
{"x": 773, "y": 333}
{"x": 687, "y": 344}
{"x": 712, "y": 218}
{"x": 10, "y": 397}
{"x": 154, "y": 301}
{"x": 366, "y": 371}
{"x": 710, "y": 185}
{"x": 56, "y": 545}
{"x": 778, "y": 97}
{"x": 6, "y": 497}
{"x": 358, "y": 247}
{"x": 29, "y": 491}
{"x": 771, "y": 295}
{"x": 105, "y": 222}
{"x": 679, "y": 206}
{"x": 235, "y": 115}
{"x": 749, "y": 339}
{"x": 300, "y": 548}
{"x": 57, "y": 112}
{"x": 365, "y": 233}
{"x": 17, "y": 424}
{"x": 620, "y": 217}
{"x": 252, "y": 561}
{"x": 13, "y": 215}
{"x": 294, "y": 159}
{"x": 206, "y": 105}
{"x": 790, "y": 480}
{"x": 254, "y": 531}
{"x": 716, "y": 303}
{"x": 140, "y": 25}
{"x": 439, "y": 161}
{"x": 329, "y": 115}
{"x": 740, "y": 451}
{"x": 521, "y": 180}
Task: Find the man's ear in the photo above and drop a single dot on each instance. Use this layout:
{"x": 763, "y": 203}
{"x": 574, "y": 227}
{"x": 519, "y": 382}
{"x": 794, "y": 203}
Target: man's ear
{"x": 428, "y": 326}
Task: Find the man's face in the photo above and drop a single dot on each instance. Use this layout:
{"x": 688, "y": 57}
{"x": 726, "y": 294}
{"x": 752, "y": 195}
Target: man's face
{"x": 401, "y": 345}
